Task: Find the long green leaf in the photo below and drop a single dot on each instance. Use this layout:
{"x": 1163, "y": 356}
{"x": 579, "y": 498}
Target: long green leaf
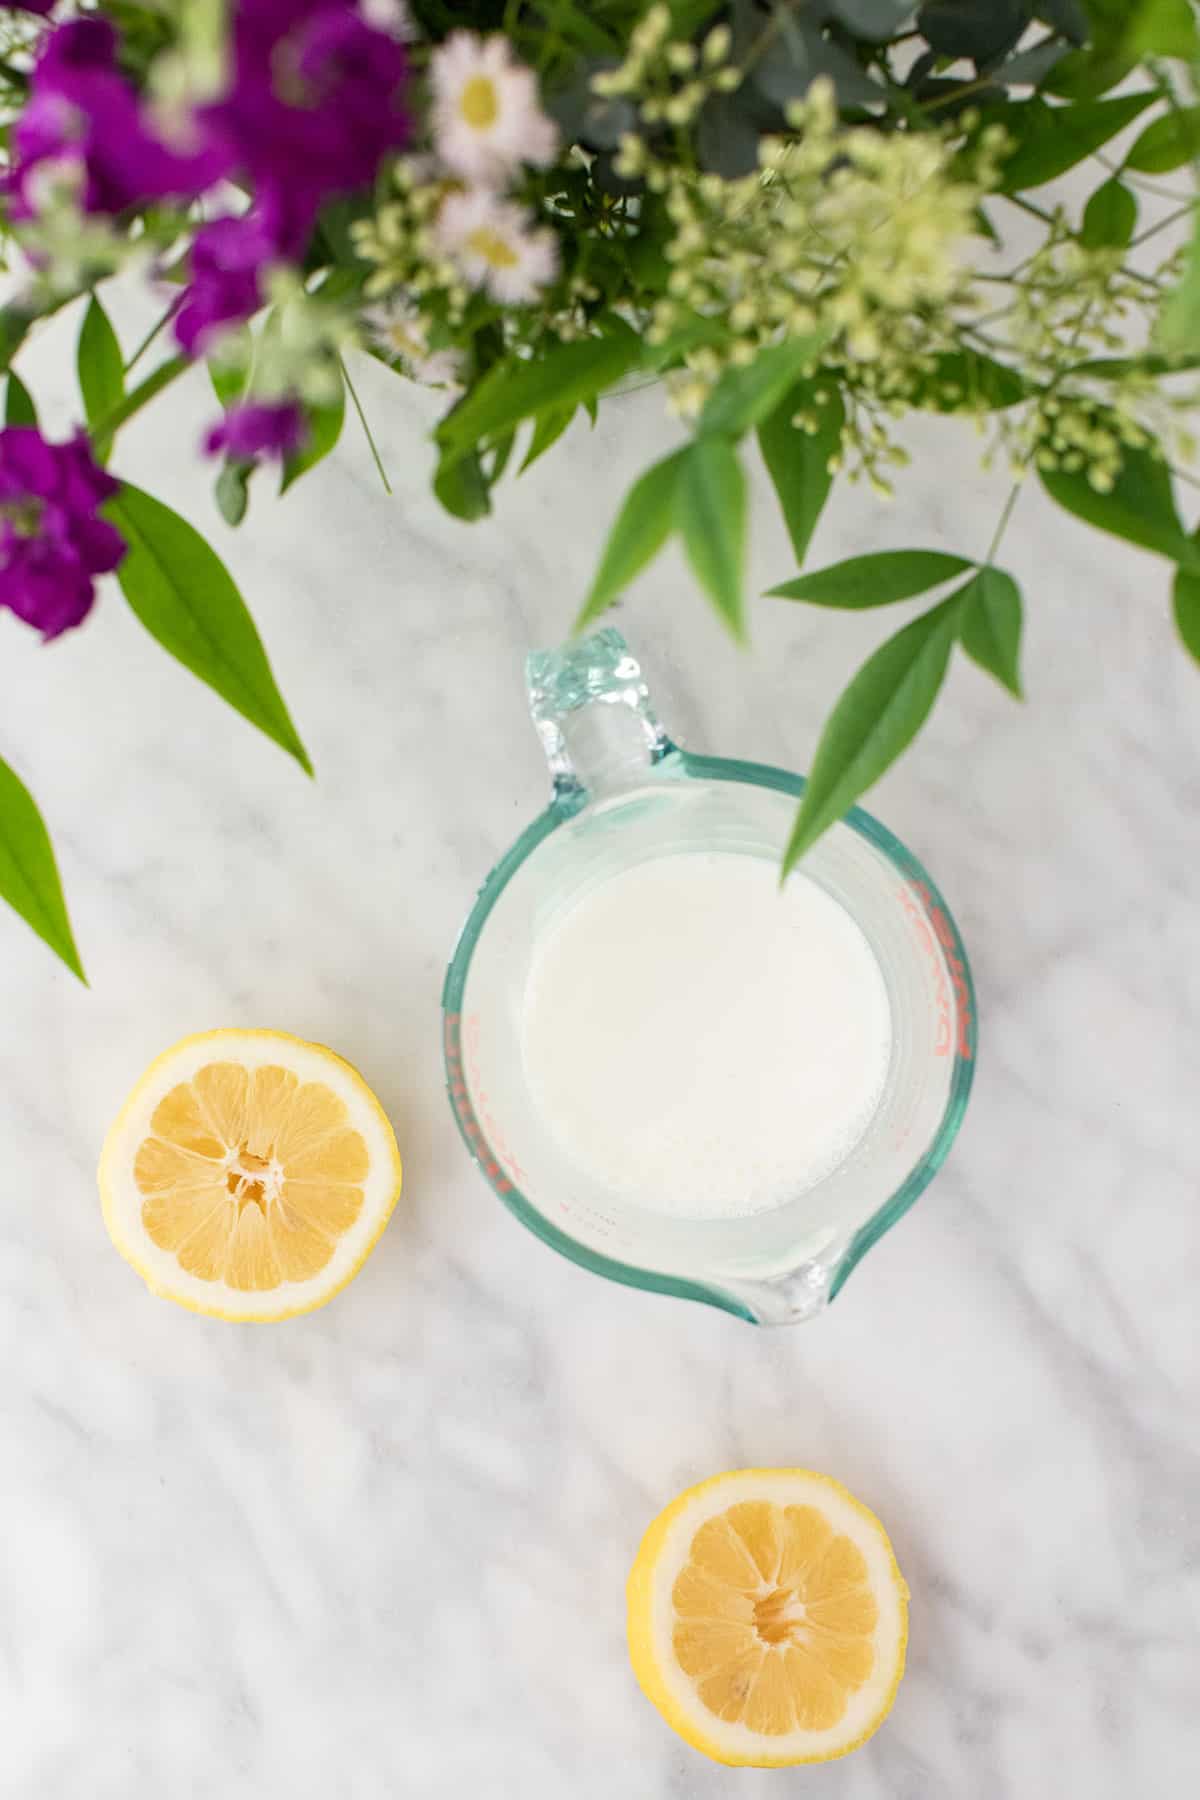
{"x": 1163, "y": 28}
{"x": 100, "y": 366}
{"x": 1140, "y": 508}
{"x": 710, "y": 508}
{"x": 461, "y": 485}
{"x": 1167, "y": 143}
{"x": 876, "y": 718}
{"x": 1187, "y": 610}
{"x": 744, "y": 397}
{"x": 28, "y": 873}
{"x": 1052, "y": 139}
{"x": 961, "y": 379}
{"x": 874, "y": 580}
{"x": 642, "y": 527}
{"x": 548, "y": 428}
{"x": 19, "y": 408}
{"x": 798, "y": 461}
{"x": 185, "y": 597}
{"x": 513, "y": 390}
{"x": 991, "y": 625}
{"x": 324, "y": 429}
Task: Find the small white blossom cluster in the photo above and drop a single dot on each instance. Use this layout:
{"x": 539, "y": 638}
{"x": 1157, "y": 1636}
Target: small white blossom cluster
{"x": 671, "y": 78}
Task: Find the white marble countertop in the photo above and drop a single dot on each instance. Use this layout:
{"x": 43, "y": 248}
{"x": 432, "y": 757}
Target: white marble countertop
{"x": 381, "y": 1551}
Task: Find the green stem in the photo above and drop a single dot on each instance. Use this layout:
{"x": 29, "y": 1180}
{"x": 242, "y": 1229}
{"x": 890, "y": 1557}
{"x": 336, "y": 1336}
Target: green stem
{"x": 362, "y": 419}
{"x": 163, "y": 376}
{"x": 1031, "y": 207}
{"x": 1002, "y": 522}
{"x": 153, "y": 333}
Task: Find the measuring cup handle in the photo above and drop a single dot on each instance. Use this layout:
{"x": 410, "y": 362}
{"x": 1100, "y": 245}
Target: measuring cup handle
{"x": 593, "y": 714}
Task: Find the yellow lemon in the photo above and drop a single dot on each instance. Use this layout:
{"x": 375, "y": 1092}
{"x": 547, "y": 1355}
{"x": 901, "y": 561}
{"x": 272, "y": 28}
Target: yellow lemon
{"x": 768, "y": 1618}
{"x": 249, "y": 1174}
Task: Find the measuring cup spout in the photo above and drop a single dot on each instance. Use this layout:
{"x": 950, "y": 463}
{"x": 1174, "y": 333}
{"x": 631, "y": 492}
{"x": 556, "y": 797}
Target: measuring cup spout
{"x": 594, "y": 716}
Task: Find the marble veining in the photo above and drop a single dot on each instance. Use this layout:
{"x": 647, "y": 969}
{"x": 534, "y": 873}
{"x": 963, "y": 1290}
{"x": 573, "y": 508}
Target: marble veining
{"x": 381, "y": 1551}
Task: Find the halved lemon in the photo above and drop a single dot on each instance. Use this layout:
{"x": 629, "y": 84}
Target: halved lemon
{"x": 249, "y": 1174}
{"x": 768, "y": 1618}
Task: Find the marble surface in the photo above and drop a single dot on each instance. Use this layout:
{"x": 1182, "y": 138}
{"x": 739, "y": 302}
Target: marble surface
{"x": 381, "y": 1551}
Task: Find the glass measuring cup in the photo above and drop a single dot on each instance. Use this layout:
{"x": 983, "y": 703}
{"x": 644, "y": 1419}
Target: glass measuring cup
{"x": 623, "y": 794}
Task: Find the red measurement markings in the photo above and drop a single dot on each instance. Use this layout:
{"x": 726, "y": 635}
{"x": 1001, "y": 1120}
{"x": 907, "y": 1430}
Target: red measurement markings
{"x": 460, "y": 1099}
{"x": 932, "y": 924}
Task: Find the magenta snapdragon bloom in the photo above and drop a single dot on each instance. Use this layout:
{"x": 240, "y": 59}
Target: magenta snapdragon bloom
{"x": 257, "y": 428}
{"x": 41, "y": 7}
{"x": 81, "y": 111}
{"x": 52, "y": 541}
{"x": 315, "y": 104}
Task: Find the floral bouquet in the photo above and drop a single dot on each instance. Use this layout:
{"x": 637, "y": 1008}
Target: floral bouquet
{"x": 806, "y": 217}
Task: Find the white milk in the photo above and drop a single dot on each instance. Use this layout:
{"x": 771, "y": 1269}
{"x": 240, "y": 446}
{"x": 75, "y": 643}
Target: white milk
{"x": 702, "y": 1043}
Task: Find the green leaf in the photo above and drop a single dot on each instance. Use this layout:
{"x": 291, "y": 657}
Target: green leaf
{"x": 185, "y": 597}
{"x": 965, "y": 379}
{"x": 228, "y": 380}
{"x": 710, "y": 508}
{"x": 1163, "y": 28}
{"x": 1052, "y": 139}
{"x": 874, "y": 580}
{"x": 991, "y": 625}
{"x": 642, "y": 527}
{"x": 28, "y": 873}
{"x": 1065, "y": 16}
{"x": 1140, "y": 508}
{"x": 232, "y": 491}
{"x": 547, "y": 429}
{"x": 1110, "y": 217}
{"x": 798, "y": 462}
{"x": 461, "y": 486}
{"x": 874, "y": 20}
{"x": 14, "y": 329}
{"x": 1167, "y": 143}
{"x": 980, "y": 29}
{"x": 744, "y": 397}
{"x": 101, "y": 369}
{"x": 19, "y": 408}
{"x": 1179, "y": 323}
{"x": 324, "y": 429}
{"x": 1029, "y": 68}
{"x": 876, "y": 718}
{"x": 513, "y": 390}
{"x": 1187, "y": 610}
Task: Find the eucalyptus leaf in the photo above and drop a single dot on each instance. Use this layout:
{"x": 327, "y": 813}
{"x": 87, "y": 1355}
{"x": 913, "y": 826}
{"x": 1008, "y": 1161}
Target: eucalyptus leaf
{"x": 185, "y": 597}
{"x": 29, "y": 879}
{"x": 727, "y": 137}
{"x": 1068, "y": 17}
{"x": 876, "y": 718}
{"x": 642, "y": 527}
{"x": 1141, "y": 507}
{"x": 798, "y": 54}
{"x": 19, "y": 408}
{"x": 1029, "y": 68}
{"x": 990, "y": 630}
{"x": 586, "y": 117}
{"x": 1110, "y": 217}
{"x": 1167, "y": 143}
{"x": 878, "y": 579}
{"x": 101, "y": 369}
{"x": 743, "y": 397}
{"x": 798, "y": 461}
{"x": 1052, "y": 139}
{"x": 324, "y": 425}
{"x": 710, "y": 509}
{"x": 1187, "y": 610}
{"x": 874, "y": 20}
{"x": 513, "y": 390}
{"x": 982, "y": 30}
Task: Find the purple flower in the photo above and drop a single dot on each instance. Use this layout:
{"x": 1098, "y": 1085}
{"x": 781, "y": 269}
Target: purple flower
{"x": 41, "y": 7}
{"x": 258, "y": 428}
{"x": 315, "y": 103}
{"x": 52, "y": 541}
{"x": 82, "y": 111}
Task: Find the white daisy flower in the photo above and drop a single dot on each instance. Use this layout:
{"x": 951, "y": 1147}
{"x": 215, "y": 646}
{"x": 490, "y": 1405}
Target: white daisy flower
{"x": 494, "y": 245}
{"x": 400, "y": 331}
{"x": 486, "y": 115}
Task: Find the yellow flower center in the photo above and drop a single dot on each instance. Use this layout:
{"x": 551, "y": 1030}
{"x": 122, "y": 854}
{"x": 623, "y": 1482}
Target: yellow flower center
{"x": 479, "y": 103}
{"x": 404, "y": 341}
{"x": 492, "y": 248}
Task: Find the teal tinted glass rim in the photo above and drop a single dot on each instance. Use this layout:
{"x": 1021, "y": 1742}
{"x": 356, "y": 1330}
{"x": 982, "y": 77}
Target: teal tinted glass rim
{"x": 710, "y": 768}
